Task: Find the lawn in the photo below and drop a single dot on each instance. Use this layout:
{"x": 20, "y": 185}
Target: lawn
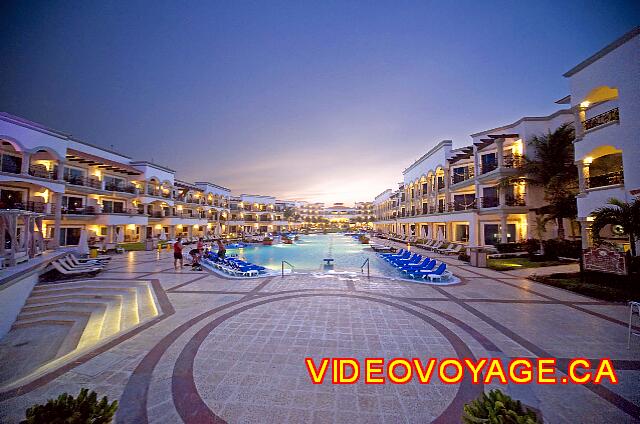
{"x": 602, "y": 286}
{"x": 516, "y": 263}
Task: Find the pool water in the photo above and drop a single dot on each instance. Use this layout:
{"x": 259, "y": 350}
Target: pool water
{"x": 308, "y": 253}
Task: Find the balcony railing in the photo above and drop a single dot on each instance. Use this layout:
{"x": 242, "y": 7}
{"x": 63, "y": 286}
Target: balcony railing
{"x": 86, "y": 210}
{"x": 489, "y": 202}
{"x": 513, "y": 161}
{"x": 611, "y": 178}
{"x": 24, "y": 206}
{"x": 458, "y": 178}
{"x": 612, "y": 115}
{"x": 86, "y": 182}
{"x": 40, "y": 171}
{"x": 123, "y": 188}
{"x": 122, "y": 212}
{"x": 488, "y": 167}
{"x": 515, "y": 200}
{"x": 459, "y": 206}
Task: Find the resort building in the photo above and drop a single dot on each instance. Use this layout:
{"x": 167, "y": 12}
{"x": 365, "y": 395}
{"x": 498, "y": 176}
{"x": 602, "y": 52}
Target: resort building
{"x": 605, "y": 93}
{"x": 341, "y": 216}
{"x": 65, "y": 185}
{"x": 474, "y": 194}
{"x": 255, "y": 214}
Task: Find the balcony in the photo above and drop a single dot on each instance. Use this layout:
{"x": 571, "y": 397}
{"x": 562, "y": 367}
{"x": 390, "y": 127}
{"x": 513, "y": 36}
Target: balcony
{"x": 612, "y": 115}
{"x": 489, "y": 202}
{"x": 458, "y": 178}
{"x": 40, "y": 171}
{"x": 488, "y": 167}
{"x": 86, "y": 210}
{"x": 513, "y": 161}
{"x": 123, "y": 188}
{"x": 608, "y": 179}
{"x": 122, "y": 211}
{"x": 515, "y": 200}
{"x": 37, "y": 207}
{"x": 459, "y": 206}
{"x": 85, "y": 182}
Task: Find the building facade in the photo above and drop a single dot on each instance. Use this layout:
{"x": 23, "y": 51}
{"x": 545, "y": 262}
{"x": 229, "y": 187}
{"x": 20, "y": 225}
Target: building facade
{"x": 475, "y": 194}
{"x": 605, "y": 98}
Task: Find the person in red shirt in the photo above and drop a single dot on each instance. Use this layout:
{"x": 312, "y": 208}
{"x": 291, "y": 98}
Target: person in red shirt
{"x": 200, "y": 245}
{"x": 177, "y": 253}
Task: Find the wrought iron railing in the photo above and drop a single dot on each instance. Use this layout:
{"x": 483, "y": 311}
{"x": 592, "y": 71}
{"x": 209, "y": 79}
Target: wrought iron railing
{"x": 515, "y": 200}
{"x": 489, "y": 202}
{"x": 40, "y": 171}
{"x": 611, "y": 178}
{"x": 488, "y": 167}
{"x": 612, "y": 115}
{"x": 24, "y": 206}
{"x": 86, "y": 182}
{"x": 514, "y": 161}
{"x": 123, "y": 188}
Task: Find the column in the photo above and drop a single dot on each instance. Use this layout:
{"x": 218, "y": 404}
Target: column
{"x": 500, "y": 153}
{"x": 473, "y": 231}
{"x": 584, "y": 233}
{"x": 503, "y": 229}
{"x": 26, "y": 161}
{"x": 447, "y": 183}
{"x": 110, "y": 234}
{"x": 172, "y": 232}
{"x": 578, "y": 117}
{"x": 57, "y": 220}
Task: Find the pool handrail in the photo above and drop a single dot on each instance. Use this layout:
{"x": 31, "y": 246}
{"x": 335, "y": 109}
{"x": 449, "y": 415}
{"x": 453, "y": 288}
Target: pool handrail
{"x": 288, "y": 263}
{"x": 366, "y": 262}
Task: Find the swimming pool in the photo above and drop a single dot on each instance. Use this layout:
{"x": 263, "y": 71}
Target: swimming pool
{"x": 308, "y": 253}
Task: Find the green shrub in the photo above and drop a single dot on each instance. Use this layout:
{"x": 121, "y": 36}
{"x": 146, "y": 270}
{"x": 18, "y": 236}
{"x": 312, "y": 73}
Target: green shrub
{"x": 531, "y": 246}
{"x": 508, "y": 247}
{"x": 554, "y": 248}
{"x": 83, "y": 409}
{"x": 497, "y": 408}
{"x": 464, "y": 257}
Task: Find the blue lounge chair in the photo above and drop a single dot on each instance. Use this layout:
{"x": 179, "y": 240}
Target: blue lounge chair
{"x": 400, "y": 253}
{"x": 416, "y": 258}
{"x": 424, "y": 274}
{"x": 405, "y": 255}
{"x": 427, "y": 264}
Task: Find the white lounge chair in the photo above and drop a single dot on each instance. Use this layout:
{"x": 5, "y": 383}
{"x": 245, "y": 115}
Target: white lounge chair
{"x": 74, "y": 272}
{"x": 451, "y": 250}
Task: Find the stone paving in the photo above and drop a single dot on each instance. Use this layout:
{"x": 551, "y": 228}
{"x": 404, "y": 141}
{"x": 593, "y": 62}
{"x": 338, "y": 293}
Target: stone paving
{"x": 233, "y": 350}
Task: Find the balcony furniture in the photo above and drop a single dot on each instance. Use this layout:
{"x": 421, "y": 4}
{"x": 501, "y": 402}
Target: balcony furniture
{"x": 612, "y": 115}
{"x": 40, "y": 171}
{"x": 634, "y": 308}
{"x": 603, "y": 180}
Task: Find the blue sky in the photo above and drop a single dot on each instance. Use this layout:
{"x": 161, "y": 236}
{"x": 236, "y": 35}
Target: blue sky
{"x": 324, "y": 101}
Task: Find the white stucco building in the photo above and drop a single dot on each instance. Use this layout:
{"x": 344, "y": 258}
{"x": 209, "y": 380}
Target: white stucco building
{"x": 605, "y": 98}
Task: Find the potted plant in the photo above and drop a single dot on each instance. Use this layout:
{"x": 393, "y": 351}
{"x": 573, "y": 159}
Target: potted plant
{"x": 84, "y": 409}
{"x": 498, "y": 408}
{"x": 267, "y": 241}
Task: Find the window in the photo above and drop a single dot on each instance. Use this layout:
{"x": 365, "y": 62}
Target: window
{"x": 10, "y": 199}
{"x": 73, "y": 174}
{"x": 69, "y": 236}
{"x": 11, "y": 163}
{"x": 112, "y": 206}
{"x": 72, "y": 203}
{"x": 462, "y": 232}
{"x": 113, "y": 183}
{"x": 464, "y": 201}
{"x": 489, "y": 162}
{"x": 492, "y": 234}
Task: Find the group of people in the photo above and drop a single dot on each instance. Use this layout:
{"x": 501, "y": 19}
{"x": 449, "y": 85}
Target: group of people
{"x": 196, "y": 254}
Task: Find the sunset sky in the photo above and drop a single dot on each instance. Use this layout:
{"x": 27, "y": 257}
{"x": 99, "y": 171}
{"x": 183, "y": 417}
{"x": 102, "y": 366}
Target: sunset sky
{"x": 325, "y": 101}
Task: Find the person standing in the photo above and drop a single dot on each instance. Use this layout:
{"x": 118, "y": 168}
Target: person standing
{"x": 221, "y": 249}
{"x": 177, "y": 253}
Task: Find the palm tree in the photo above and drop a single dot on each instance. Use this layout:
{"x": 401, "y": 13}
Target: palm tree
{"x": 541, "y": 227}
{"x": 625, "y": 214}
{"x": 553, "y": 168}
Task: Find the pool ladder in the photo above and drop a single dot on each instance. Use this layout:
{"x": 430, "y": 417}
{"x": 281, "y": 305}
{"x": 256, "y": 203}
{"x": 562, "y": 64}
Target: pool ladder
{"x": 285, "y": 262}
{"x": 366, "y": 262}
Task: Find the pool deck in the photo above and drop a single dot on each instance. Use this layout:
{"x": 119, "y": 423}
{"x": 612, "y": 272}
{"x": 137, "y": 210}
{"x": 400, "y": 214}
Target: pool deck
{"x": 233, "y": 350}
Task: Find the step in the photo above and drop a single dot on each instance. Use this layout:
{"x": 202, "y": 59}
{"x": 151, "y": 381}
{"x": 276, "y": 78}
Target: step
{"x": 91, "y": 332}
{"x": 147, "y": 306}
{"x": 73, "y": 335}
{"x": 112, "y": 322}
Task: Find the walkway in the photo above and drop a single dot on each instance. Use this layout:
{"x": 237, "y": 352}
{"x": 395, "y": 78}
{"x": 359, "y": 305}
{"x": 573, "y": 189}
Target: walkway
{"x": 233, "y": 350}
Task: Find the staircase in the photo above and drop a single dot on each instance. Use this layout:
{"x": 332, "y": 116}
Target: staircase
{"x": 68, "y": 318}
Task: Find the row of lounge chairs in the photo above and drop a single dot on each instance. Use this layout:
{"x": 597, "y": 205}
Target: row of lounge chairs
{"x": 234, "y": 266}
{"x": 72, "y": 266}
{"x": 442, "y": 247}
{"x": 418, "y": 266}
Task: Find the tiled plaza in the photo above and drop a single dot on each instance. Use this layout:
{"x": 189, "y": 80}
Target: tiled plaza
{"x": 230, "y": 350}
